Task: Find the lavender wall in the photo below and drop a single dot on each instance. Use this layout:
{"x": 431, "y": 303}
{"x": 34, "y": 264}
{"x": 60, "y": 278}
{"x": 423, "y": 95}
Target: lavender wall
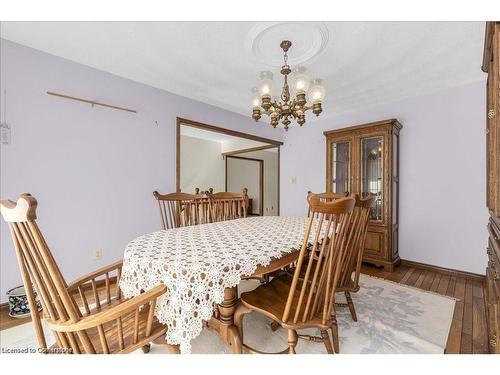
{"x": 442, "y": 173}
{"x": 92, "y": 170}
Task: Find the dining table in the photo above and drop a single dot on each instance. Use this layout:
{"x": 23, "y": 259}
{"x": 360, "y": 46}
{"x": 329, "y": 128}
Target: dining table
{"x": 202, "y": 265}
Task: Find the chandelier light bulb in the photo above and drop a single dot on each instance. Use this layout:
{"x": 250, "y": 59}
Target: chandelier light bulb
{"x": 256, "y": 101}
{"x": 266, "y": 83}
{"x": 266, "y": 87}
{"x": 300, "y": 81}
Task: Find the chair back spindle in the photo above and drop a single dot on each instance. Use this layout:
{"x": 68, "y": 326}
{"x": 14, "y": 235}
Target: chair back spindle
{"x": 351, "y": 268}
{"x": 228, "y": 206}
{"x": 181, "y": 209}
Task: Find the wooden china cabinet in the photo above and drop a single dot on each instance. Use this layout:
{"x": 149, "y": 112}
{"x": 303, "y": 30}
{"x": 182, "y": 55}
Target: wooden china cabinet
{"x": 491, "y": 65}
{"x": 364, "y": 159}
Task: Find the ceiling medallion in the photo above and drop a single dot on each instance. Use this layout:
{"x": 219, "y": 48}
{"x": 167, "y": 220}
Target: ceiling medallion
{"x": 286, "y": 108}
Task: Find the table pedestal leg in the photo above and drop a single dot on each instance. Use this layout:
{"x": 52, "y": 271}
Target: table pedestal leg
{"x": 225, "y": 323}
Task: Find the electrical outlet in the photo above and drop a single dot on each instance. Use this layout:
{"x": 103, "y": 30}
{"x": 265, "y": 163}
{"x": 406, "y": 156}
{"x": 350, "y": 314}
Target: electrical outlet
{"x": 98, "y": 254}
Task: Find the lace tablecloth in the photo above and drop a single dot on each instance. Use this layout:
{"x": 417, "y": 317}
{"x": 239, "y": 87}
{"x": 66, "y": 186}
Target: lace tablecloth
{"x": 198, "y": 262}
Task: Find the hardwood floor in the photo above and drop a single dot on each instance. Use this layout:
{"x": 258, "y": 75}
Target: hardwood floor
{"x": 468, "y": 333}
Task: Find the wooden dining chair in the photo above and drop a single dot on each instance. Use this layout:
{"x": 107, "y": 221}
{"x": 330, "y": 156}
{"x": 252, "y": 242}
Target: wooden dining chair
{"x": 351, "y": 266}
{"x": 228, "y": 206}
{"x": 351, "y": 269}
{"x": 306, "y": 299}
{"x": 181, "y": 209}
{"x": 99, "y": 324}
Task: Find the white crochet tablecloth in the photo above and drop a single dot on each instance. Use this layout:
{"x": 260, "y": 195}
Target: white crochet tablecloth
{"x": 198, "y": 262}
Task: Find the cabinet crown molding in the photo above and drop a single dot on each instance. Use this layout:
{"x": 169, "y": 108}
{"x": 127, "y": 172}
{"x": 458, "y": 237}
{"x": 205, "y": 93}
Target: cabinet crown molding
{"x": 394, "y": 123}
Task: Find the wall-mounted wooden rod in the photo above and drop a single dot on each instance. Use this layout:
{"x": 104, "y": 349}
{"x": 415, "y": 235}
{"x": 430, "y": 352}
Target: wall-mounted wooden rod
{"x": 92, "y": 102}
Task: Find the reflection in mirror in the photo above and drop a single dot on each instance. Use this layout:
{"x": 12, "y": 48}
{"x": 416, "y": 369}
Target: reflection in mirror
{"x": 217, "y": 161}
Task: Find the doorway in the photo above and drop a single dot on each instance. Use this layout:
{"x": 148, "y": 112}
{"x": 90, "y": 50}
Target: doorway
{"x": 242, "y": 172}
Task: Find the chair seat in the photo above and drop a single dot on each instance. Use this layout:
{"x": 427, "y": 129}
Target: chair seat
{"x": 270, "y": 300}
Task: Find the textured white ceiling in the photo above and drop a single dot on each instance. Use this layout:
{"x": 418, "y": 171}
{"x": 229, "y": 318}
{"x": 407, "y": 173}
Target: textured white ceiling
{"x": 361, "y": 63}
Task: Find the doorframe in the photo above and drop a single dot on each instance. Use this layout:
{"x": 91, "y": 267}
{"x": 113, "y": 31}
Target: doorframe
{"x": 200, "y": 125}
{"x": 261, "y": 179}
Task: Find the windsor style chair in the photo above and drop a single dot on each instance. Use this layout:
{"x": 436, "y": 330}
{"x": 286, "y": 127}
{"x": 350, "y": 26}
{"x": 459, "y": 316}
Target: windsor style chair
{"x": 306, "y": 298}
{"x": 181, "y": 209}
{"x": 351, "y": 267}
{"x": 228, "y": 206}
{"x": 361, "y": 217}
{"x": 349, "y": 279}
{"x": 110, "y": 325}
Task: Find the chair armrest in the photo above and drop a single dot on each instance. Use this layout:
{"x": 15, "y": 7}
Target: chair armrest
{"x": 101, "y": 271}
{"x": 113, "y": 313}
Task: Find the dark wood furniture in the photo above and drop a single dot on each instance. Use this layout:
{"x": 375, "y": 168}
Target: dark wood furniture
{"x": 307, "y": 299}
{"x": 364, "y": 159}
{"x": 114, "y": 325}
{"x": 491, "y": 65}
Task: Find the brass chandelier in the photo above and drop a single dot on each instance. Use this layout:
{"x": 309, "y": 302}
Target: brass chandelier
{"x": 286, "y": 108}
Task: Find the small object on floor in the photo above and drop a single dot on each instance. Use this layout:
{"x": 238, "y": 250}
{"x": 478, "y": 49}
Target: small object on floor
{"x": 18, "y": 303}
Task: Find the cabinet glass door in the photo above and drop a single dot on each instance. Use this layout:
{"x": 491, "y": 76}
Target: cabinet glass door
{"x": 372, "y": 172}
{"x": 340, "y": 167}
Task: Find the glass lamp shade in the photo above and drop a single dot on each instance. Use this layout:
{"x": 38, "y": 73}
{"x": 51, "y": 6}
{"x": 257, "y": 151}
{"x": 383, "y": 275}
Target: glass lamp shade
{"x": 316, "y": 93}
{"x": 266, "y": 87}
{"x": 300, "y": 82}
